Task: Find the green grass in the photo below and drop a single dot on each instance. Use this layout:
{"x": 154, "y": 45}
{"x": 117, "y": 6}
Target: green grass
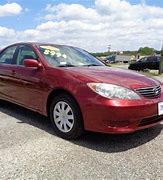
{"x": 151, "y": 73}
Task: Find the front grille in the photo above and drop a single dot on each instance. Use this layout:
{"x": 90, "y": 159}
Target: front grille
{"x": 151, "y": 92}
{"x": 151, "y": 120}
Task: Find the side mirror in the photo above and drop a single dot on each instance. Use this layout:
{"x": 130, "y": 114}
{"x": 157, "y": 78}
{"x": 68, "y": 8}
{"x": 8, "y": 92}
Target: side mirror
{"x": 32, "y": 63}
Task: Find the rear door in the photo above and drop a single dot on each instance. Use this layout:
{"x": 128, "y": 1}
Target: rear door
{"x": 7, "y": 80}
{"x": 156, "y": 62}
{"x": 152, "y": 62}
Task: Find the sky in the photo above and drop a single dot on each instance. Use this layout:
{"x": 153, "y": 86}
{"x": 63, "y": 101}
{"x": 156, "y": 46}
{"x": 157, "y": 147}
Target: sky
{"x": 89, "y": 24}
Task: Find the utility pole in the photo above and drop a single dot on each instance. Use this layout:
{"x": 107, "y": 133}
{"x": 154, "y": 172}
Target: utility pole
{"x": 109, "y": 47}
{"x": 161, "y": 60}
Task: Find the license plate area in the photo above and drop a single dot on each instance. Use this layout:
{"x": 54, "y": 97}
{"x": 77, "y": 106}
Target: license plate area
{"x": 160, "y": 108}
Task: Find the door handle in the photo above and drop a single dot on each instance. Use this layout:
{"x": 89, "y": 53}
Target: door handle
{"x": 13, "y": 72}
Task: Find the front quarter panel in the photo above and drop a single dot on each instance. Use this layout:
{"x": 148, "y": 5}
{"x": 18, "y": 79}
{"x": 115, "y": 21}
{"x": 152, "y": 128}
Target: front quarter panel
{"x": 58, "y": 78}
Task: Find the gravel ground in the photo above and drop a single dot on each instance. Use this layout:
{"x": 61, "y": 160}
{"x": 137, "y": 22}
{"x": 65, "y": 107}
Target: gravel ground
{"x": 30, "y": 150}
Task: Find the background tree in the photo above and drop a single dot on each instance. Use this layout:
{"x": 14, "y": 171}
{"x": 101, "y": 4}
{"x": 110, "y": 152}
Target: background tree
{"x": 146, "y": 51}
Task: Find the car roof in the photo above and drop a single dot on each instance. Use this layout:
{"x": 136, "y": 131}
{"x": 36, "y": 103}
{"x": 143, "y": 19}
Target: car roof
{"x": 150, "y": 57}
{"x": 38, "y": 44}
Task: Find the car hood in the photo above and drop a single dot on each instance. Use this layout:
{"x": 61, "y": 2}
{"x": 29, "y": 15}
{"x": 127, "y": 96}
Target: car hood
{"x": 117, "y": 76}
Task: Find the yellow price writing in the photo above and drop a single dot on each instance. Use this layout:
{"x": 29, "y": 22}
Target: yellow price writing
{"x": 54, "y": 53}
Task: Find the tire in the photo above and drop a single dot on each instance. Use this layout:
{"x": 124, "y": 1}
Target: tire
{"x": 66, "y": 117}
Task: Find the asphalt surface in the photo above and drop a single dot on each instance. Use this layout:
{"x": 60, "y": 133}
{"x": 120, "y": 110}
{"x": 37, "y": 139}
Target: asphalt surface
{"x": 30, "y": 150}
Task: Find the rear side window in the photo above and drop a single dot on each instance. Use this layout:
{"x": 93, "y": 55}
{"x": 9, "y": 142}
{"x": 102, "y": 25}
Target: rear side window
{"x": 158, "y": 59}
{"x": 153, "y": 59}
{"x": 6, "y": 57}
{"x": 26, "y": 52}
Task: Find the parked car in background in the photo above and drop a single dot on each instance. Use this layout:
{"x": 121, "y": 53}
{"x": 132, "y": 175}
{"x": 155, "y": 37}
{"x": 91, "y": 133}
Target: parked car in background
{"x": 151, "y": 63}
{"x": 77, "y": 91}
{"x": 101, "y": 59}
{"x": 119, "y": 59}
{"x": 111, "y": 59}
{"x": 124, "y": 58}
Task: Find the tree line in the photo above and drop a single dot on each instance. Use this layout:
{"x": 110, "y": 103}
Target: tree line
{"x": 142, "y": 51}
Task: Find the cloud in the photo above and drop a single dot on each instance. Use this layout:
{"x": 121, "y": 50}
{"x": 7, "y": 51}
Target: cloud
{"x": 11, "y": 9}
{"x": 119, "y": 23}
{"x": 6, "y": 36}
{"x": 6, "y": 32}
{"x": 69, "y": 12}
{"x": 125, "y": 10}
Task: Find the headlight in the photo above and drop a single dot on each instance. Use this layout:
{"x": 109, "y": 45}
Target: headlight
{"x": 113, "y": 91}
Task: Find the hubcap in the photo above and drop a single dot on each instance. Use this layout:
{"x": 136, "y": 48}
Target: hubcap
{"x": 63, "y": 116}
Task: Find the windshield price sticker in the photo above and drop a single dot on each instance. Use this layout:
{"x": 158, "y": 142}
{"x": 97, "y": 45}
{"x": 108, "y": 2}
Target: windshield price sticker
{"x": 51, "y": 48}
{"x": 160, "y": 108}
{"x": 52, "y": 51}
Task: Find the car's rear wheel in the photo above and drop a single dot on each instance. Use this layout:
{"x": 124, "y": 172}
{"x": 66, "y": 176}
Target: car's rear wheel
{"x": 66, "y": 117}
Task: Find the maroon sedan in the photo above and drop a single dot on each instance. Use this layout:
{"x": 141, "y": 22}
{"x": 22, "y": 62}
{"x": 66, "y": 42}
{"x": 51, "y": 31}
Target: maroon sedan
{"x": 77, "y": 91}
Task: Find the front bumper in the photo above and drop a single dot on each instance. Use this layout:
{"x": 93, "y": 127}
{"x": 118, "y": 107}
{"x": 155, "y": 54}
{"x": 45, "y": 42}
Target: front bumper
{"x": 120, "y": 116}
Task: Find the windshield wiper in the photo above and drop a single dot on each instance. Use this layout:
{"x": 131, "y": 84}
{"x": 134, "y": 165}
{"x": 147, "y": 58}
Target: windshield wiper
{"x": 91, "y": 65}
{"x": 70, "y": 65}
{"x": 66, "y": 65}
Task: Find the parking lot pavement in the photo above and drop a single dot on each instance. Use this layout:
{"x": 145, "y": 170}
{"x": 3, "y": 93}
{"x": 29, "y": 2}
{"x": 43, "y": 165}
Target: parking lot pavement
{"x": 30, "y": 150}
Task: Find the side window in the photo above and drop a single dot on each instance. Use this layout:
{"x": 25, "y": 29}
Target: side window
{"x": 156, "y": 59}
{"x": 25, "y": 52}
{"x": 152, "y": 59}
{"x": 149, "y": 59}
{"x": 143, "y": 60}
{"x": 6, "y": 57}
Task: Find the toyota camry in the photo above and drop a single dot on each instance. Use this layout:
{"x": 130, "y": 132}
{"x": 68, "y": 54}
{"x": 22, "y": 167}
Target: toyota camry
{"x": 77, "y": 91}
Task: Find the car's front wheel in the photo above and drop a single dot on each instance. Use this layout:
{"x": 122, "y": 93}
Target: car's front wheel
{"x": 66, "y": 117}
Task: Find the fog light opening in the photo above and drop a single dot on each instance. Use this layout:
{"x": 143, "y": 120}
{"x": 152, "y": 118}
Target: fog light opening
{"x": 118, "y": 124}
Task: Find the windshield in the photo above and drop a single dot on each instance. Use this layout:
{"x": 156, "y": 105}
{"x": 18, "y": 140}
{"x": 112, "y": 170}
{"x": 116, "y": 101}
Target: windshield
{"x": 64, "y": 56}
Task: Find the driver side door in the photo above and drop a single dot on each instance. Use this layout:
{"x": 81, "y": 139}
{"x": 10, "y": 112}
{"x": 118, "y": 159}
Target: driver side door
{"x": 29, "y": 89}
